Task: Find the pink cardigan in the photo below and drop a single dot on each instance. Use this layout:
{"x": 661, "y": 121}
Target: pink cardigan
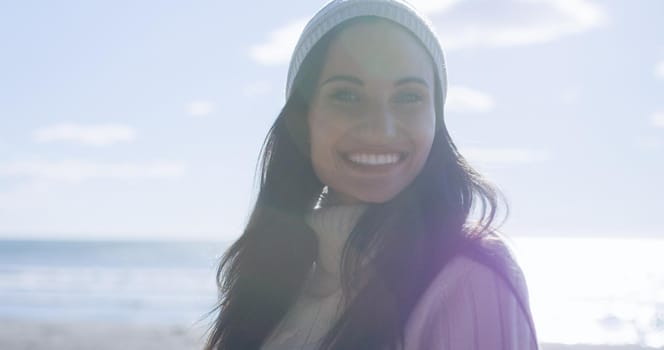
{"x": 468, "y": 306}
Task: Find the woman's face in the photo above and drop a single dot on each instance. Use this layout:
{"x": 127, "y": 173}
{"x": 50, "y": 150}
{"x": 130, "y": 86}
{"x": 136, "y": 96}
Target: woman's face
{"x": 372, "y": 118}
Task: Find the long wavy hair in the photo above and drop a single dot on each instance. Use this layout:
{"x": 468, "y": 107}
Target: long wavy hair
{"x": 393, "y": 253}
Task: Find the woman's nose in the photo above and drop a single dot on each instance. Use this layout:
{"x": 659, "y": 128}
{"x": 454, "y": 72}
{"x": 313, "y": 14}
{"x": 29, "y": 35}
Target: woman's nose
{"x": 380, "y": 121}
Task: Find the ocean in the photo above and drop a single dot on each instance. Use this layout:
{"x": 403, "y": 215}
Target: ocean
{"x": 129, "y": 282}
{"x": 582, "y": 290}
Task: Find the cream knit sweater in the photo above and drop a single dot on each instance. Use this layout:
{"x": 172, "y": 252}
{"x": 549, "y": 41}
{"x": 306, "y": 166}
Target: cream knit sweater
{"x": 466, "y": 307}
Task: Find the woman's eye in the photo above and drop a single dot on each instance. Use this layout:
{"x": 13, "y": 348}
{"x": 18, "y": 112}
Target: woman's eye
{"x": 408, "y": 97}
{"x": 344, "y": 96}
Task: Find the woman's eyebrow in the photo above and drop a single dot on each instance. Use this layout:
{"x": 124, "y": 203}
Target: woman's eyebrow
{"x": 346, "y": 78}
{"x": 357, "y": 81}
{"x": 408, "y": 80}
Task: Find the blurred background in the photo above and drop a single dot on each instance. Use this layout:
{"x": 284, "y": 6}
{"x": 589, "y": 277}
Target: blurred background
{"x": 129, "y": 135}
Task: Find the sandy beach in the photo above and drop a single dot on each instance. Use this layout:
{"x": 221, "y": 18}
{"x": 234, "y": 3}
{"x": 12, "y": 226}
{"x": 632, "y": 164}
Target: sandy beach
{"x": 24, "y": 335}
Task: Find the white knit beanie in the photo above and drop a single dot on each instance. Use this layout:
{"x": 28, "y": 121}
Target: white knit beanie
{"x": 339, "y": 11}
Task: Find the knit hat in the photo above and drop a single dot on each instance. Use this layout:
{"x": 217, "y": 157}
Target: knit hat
{"x": 339, "y": 11}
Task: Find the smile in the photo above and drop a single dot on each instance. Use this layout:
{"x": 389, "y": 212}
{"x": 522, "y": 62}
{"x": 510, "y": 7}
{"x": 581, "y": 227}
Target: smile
{"x": 374, "y": 158}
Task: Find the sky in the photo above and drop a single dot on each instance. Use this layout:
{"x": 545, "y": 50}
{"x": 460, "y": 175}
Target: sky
{"x": 144, "y": 119}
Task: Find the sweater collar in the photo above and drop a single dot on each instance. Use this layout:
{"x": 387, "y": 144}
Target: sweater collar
{"x": 335, "y": 219}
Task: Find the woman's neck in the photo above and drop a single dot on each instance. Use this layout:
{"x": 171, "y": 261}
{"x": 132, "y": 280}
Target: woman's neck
{"x": 333, "y": 225}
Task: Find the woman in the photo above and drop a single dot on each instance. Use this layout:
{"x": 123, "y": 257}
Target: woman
{"x": 360, "y": 236}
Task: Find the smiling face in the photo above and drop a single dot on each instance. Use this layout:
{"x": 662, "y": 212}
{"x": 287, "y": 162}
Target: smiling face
{"x": 372, "y": 117}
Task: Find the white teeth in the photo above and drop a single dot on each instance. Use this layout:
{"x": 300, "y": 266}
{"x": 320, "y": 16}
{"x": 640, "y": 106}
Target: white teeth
{"x": 374, "y": 159}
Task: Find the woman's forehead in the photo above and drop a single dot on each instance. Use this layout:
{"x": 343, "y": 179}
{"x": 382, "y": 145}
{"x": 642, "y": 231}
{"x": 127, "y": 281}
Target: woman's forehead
{"x": 377, "y": 49}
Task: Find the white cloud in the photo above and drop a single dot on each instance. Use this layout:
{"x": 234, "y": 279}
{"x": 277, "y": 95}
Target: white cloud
{"x": 657, "y": 119}
{"x": 659, "y": 70}
{"x": 518, "y": 22}
{"x": 279, "y": 45}
{"x": 463, "y": 99}
{"x": 504, "y": 155}
{"x": 430, "y": 7}
{"x": 96, "y": 135}
{"x": 200, "y": 108}
{"x": 466, "y": 24}
{"x": 76, "y": 171}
